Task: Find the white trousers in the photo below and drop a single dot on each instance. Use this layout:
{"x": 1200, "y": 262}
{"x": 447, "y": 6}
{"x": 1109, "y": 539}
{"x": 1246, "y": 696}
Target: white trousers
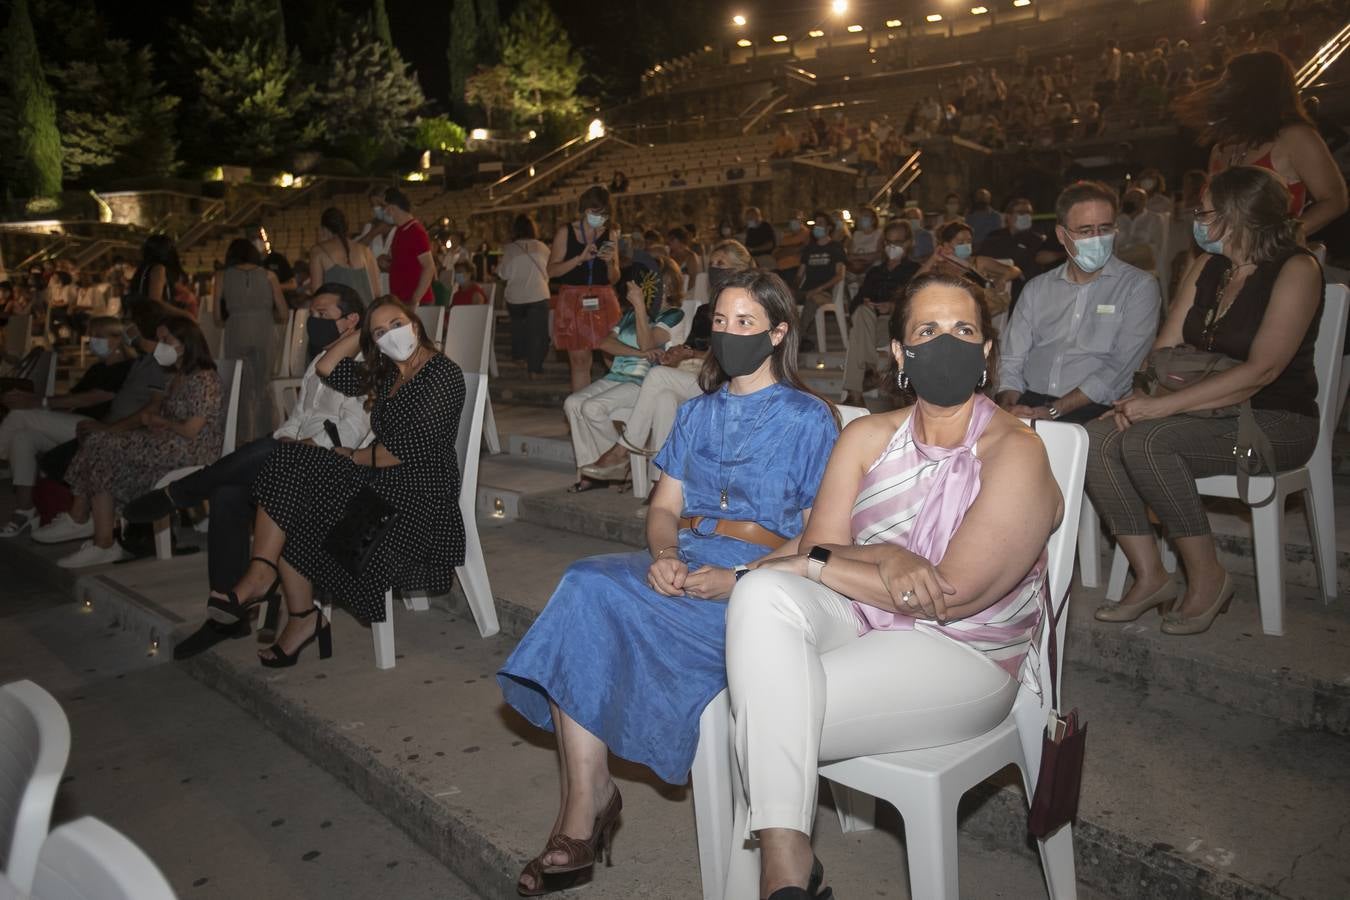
{"x": 592, "y": 411}
{"x": 26, "y": 434}
{"x": 863, "y": 331}
{"x": 653, "y": 415}
{"x": 805, "y": 687}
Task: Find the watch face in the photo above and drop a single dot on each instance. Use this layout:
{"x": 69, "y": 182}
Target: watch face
{"x": 819, "y": 554}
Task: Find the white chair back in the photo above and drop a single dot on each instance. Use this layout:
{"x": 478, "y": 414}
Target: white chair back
{"x": 433, "y": 322}
{"x": 700, "y": 289}
{"x": 89, "y": 860}
{"x": 44, "y": 379}
{"x": 34, "y": 748}
{"x": 468, "y": 337}
{"x": 231, "y": 373}
{"x": 1328, "y": 354}
{"x": 849, "y": 413}
{"x": 680, "y": 333}
{"x": 18, "y": 335}
{"x": 294, "y": 362}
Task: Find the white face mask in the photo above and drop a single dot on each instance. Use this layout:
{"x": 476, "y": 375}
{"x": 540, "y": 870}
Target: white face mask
{"x": 166, "y": 354}
{"x": 398, "y": 343}
{"x": 895, "y": 251}
{"x": 595, "y": 220}
{"x": 99, "y": 347}
{"x": 1022, "y": 222}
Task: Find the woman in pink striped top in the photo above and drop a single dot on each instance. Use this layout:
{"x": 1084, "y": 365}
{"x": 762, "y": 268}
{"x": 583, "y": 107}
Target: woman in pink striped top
{"x": 907, "y": 618}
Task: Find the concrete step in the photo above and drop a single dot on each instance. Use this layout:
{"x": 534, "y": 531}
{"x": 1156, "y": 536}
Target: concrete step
{"x": 504, "y": 479}
{"x": 1181, "y": 797}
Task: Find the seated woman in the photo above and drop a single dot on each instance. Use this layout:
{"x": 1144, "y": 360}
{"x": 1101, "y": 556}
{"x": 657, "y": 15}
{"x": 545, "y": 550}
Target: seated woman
{"x": 467, "y": 292}
{"x": 654, "y": 309}
{"x": 674, "y": 379}
{"x": 955, "y": 258}
{"x": 1254, "y": 294}
{"x": 184, "y": 426}
{"x": 304, "y": 490}
{"x": 905, "y": 618}
{"x": 629, "y": 650}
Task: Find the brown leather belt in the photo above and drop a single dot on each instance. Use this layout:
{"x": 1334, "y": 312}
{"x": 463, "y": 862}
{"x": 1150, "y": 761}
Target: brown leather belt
{"x": 750, "y": 532}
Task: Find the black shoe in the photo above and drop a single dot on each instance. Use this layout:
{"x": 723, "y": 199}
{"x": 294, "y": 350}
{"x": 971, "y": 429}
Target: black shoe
{"x": 210, "y": 634}
{"x": 149, "y": 507}
{"x": 812, "y": 890}
{"x": 323, "y": 633}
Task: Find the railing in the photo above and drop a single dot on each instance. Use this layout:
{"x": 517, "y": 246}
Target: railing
{"x": 764, "y": 111}
{"x": 532, "y": 174}
{"x": 901, "y": 180}
{"x": 527, "y": 171}
{"x": 1322, "y": 59}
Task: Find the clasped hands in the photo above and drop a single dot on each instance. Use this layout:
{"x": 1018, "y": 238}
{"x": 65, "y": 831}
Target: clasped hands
{"x": 670, "y": 577}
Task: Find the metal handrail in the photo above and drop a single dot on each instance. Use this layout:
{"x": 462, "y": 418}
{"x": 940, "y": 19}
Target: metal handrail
{"x": 913, "y": 161}
{"x": 536, "y": 177}
{"x": 531, "y": 166}
{"x": 1323, "y": 58}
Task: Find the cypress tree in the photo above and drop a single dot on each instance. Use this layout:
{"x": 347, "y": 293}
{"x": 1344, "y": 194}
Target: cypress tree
{"x": 382, "y": 24}
{"x": 463, "y": 52}
{"x": 35, "y": 141}
{"x": 489, "y": 31}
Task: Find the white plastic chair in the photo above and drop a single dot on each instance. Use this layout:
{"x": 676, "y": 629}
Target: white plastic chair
{"x": 231, "y": 371}
{"x": 473, "y": 577}
{"x": 840, "y": 309}
{"x": 699, "y": 292}
{"x": 1313, "y": 478}
{"x": 90, "y": 860}
{"x": 492, "y": 338}
{"x": 34, "y": 748}
{"x": 468, "y": 341}
{"x": 293, "y": 361}
{"x": 433, "y": 322}
{"x": 924, "y": 785}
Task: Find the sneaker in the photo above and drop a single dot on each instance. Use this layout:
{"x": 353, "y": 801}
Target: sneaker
{"x": 91, "y": 555}
{"x": 63, "y": 528}
{"x": 21, "y": 521}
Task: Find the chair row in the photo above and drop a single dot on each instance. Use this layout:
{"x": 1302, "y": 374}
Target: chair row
{"x": 82, "y": 860}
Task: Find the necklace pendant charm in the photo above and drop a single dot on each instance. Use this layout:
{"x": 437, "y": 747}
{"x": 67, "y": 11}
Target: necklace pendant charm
{"x": 725, "y": 503}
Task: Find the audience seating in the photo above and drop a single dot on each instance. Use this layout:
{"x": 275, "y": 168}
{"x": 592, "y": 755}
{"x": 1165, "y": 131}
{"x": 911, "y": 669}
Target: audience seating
{"x": 34, "y": 748}
{"x": 89, "y": 860}
{"x": 231, "y": 371}
{"x": 473, "y": 577}
{"x": 1313, "y": 479}
{"x": 924, "y": 785}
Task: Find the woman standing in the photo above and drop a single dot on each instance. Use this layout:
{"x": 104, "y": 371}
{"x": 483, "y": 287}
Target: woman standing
{"x": 585, "y": 261}
{"x": 903, "y": 618}
{"x": 1254, "y": 294}
{"x": 150, "y": 293}
{"x": 630, "y": 649}
{"x": 334, "y": 259}
{"x": 304, "y": 491}
{"x": 524, "y": 268}
{"x": 252, "y": 296}
{"x": 1252, "y": 116}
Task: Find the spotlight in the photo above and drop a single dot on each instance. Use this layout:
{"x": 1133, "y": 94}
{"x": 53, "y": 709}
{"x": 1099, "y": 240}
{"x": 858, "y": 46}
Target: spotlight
{"x": 478, "y": 134}
{"x": 743, "y": 43}
{"x": 498, "y": 508}
{"x": 738, "y": 19}
{"x": 1021, "y": 2}
{"x": 595, "y": 130}
{"x": 854, "y": 29}
{"x": 933, "y": 17}
{"x": 893, "y": 23}
{"x": 978, "y": 10}
{"x": 780, "y": 38}
{"x": 839, "y": 6}
{"x": 815, "y": 32}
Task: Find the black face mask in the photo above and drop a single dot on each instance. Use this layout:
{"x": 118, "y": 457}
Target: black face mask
{"x": 321, "y": 333}
{"x": 741, "y": 354}
{"x": 944, "y": 371}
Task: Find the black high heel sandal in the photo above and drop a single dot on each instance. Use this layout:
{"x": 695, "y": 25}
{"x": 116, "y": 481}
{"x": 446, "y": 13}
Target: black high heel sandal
{"x": 323, "y": 633}
{"x": 812, "y": 890}
{"x": 231, "y": 605}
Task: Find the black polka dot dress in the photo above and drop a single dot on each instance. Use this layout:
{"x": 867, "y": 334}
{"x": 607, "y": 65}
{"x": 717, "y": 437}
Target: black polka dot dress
{"x": 306, "y": 489}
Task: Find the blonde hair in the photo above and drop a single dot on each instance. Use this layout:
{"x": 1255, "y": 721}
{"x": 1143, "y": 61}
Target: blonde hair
{"x": 1253, "y": 205}
{"x": 740, "y": 257}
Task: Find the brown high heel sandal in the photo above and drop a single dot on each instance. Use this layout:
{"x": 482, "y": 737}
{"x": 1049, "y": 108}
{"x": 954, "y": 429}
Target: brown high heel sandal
{"x": 582, "y": 855}
{"x": 545, "y": 883}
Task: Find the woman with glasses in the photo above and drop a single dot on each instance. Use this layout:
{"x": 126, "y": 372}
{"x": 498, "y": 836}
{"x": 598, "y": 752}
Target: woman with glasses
{"x": 1255, "y": 295}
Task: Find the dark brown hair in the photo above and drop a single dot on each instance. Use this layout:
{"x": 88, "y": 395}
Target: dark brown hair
{"x": 1083, "y": 192}
{"x": 379, "y": 368}
{"x": 595, "y": 197}
{"x": 1253, "y": 205}
{"x": 947, "y": 233}
{"x": 333, "y": 219}
{"x": 196, "y": 354}
{"x": 900, "y": 324}
{"x": 1254, "y": 100}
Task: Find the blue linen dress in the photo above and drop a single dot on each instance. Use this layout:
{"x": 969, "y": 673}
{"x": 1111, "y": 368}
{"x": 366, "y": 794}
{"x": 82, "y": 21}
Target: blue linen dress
{"x": 636, "y": 668}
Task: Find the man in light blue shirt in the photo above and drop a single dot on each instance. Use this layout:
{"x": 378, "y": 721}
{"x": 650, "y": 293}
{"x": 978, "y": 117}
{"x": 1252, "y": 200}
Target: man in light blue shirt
{"x": 1080, "y": 330}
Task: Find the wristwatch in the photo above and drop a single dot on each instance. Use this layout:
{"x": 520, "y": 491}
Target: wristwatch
{"x": 816, "y": 560}
{"x": 1054, "y": 413}
{"x": 740, "y": 572}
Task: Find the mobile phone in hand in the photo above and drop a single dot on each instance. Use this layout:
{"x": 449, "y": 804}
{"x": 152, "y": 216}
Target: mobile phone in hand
{"x": 331, "y": 430}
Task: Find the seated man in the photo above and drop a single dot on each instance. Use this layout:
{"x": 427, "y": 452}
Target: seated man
{"x": 872, "y": 314}
{"x": 1030, "y": 251}
{"x": 1080, "y": 330}
{"x": 821, "y": 269}
{"x": 228, "y": 483}
{"x": 116, "y": 387}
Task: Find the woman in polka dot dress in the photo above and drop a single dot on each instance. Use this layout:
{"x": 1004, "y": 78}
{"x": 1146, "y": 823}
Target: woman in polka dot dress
{"x": 416, "y": 396}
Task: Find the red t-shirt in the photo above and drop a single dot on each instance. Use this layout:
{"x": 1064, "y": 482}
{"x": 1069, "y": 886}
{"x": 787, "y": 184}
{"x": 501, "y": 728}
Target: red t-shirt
{"x": 410, "y": 241}
{"x": 468, "y": 295}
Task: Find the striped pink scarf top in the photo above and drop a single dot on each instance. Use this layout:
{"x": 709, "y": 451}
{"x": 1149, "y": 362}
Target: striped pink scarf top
{"x": 915, "y": 495}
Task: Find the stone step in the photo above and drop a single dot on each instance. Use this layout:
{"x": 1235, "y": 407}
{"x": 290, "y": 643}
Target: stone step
{"x": 505, "y": 478}
{"x": 1232, "y": 804}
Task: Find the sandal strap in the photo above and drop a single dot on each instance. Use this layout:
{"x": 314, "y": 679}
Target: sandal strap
{"x": 579, "y": 851}
{"x": 267, "y": 562}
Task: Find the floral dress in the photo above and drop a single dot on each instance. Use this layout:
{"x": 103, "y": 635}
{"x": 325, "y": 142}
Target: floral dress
{"x": 126, "y": 464}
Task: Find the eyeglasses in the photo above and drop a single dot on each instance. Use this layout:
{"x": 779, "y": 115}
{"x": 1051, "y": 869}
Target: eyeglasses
{"x": 1088, "y": 231}
{"x": 1204, "y": 216}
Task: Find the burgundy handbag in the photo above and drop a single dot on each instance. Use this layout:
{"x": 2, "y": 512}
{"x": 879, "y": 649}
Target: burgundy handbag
{"x": 1055, "y": 801}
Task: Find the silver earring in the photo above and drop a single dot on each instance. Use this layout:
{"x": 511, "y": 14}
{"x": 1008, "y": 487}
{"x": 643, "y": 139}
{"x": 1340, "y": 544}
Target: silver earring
{"x": 984, "y": 376}
{"x": 902, "y": 380}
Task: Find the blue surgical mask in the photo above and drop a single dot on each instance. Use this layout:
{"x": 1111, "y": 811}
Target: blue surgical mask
{"x": 1091, "y": 253}
{"x": 963, "y": 251}
{"x": 1022, "y": 222}
{"x": 752, "y": 223}
{"x": 1201, "y": 232}
{"x": 865, "y": 223}
{"x": 794, "y": 225}
{"x": 818, "y": 231}
{"x": 595, "y": 220}
{"x": 99, "y": 347}
{"x": 460, "y": 278}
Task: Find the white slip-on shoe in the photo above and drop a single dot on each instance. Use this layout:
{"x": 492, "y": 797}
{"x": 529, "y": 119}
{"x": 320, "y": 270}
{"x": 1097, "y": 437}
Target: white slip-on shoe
{"x": 63, "y": 528}
{"x": 90, "y": 554}
{"x": 19, "y": 522}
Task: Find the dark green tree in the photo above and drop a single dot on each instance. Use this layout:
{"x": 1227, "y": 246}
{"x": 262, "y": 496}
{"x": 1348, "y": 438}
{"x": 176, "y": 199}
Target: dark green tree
{"x": 545, "y": 70}
{"x": 370, "y": 103}
{"x": 489, "y": 31}
{"x": 491, "y": 90}
{"x": 32, "y": 141}
{"x": 463, "y": 52}
{"x": 381, "y": 19}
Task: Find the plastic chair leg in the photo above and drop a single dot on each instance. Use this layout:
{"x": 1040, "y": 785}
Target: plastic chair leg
{"x": 383, "y": 634}
{"x": 490, "y": 436}
{"x": 418, "y": 602}
{"x": 473, "y": 578}
{"x": 1089, "y": 545}
{"x": 163, "y": 538}
{"x": 930, "y": 841}
{"x": 1322, "y": 525}
{"x": 1057, "y": 860}
{"x": 710, "y": 777}
{"x": 1268, "y": 541}
{"x": 642, "y": 482}
{"x": 820, "y": 330}
{"x": 857, "y": 810}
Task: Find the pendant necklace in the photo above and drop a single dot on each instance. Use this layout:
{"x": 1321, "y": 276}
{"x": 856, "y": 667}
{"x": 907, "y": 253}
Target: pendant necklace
{"x": 725, "y": 499}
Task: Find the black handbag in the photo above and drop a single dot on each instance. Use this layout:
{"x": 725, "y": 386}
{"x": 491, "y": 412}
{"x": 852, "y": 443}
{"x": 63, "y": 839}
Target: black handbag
{"x": 361, "y": 530}
{"x": 1063, "y": 743}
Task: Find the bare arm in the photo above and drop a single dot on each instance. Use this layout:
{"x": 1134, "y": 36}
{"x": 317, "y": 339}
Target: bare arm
{"x": 1319, "y": 173}
{"x": 155, "y": 287}
{"x": 558, "y": 265}
{"x": 425, "y": 277}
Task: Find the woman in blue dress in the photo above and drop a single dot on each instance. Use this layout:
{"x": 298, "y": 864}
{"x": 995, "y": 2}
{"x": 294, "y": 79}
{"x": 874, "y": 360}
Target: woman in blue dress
{"x": 630, "y": 648}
